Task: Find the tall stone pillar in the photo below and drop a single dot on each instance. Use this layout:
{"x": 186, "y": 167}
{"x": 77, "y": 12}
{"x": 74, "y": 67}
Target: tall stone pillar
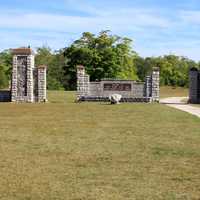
{"x": 30, "y": 67}
{"x": 22, "y": 75}
{"x": 194, "y": 89}
{"x": 148, "y": 86}
{"x": 42, "y": 92}
{"x": 155, "y": 85}
{"x": 14, "y": 80}
{"x": 28, "y": 82}
{"x": 82, "y": 82}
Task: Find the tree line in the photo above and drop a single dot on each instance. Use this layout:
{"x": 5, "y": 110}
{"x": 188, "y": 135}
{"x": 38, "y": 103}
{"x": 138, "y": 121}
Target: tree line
{"x": 104, "y": 56}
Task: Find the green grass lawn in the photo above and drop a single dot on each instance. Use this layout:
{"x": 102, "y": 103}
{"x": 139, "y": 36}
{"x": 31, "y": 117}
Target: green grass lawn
{"x": 62, "y": 150}
{"x": 168, "y": 91}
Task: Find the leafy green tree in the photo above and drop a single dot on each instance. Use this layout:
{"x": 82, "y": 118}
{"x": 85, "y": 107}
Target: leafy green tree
{"x": 54, "y": 62}
{"x": 126, "y": 58}
{"x": 104, "y": 56}
{"x": 43, "y": 56}
{"x": 3, "y": 78}
{"x": 174, "y": 70}
{"x": 5, "y": 68}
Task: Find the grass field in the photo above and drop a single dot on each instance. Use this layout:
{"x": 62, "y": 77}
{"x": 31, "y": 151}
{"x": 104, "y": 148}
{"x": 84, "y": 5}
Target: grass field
{"x": 168, "y": 91}
{"x": 94, "y": 151}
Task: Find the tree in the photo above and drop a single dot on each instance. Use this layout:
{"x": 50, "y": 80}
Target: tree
{"x": 104, "y": 56}
{"x": 3, "y": 78}
{"x": 5, "y": 68}
{"x": 54, "y": 62}
{"x": 174, "y": 70}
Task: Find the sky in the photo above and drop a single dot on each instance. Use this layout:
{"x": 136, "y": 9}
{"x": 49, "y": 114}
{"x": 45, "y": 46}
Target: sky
{"x": 157, "y": 27}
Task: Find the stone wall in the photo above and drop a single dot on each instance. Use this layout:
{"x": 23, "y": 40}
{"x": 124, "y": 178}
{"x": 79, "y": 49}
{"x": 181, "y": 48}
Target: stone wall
{"x": 126, "y": 88}
{"x": 130, "y": 90}
{"x": 94, "y": 89}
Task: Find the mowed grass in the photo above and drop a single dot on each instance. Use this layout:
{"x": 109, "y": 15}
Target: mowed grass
{"x": 94, "y": 151}
{"x": 168, "y": 91}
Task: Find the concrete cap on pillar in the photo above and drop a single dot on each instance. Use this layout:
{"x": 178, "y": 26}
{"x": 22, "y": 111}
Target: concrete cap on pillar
{"x": 42, "y": 67}
{"x": 194, "y": 69}
{"x": 23, "y": 51}
{"x": 80, "y": 67}
{"x": 156, "y": 69}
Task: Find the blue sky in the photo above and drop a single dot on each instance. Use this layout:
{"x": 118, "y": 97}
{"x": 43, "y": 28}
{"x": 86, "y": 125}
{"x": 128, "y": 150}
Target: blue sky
{"x": 157, "y": 27}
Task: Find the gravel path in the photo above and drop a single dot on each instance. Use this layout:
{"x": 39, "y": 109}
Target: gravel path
{"x": 177, "y": 102}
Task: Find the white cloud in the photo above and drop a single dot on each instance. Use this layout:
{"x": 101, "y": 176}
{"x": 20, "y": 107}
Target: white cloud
{"x": 124, "y": 19}
{"x": 155, "y": 32}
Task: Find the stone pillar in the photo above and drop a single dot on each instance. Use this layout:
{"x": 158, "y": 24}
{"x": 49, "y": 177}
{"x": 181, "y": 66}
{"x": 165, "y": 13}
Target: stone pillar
{"x": 193, "y": 86}
{"x": 42, "y": 91}
{"x": 14, "y": 80}
{"x": 82, "y": 82}
{"x": 147, "y": 86}
{"x": 30, "y": 68}
{"x": 155, "y": 85}
{"x": 22, "y": 75}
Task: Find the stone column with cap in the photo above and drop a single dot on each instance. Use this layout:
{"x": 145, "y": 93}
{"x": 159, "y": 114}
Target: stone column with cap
{"x": 194, "y": 86}
{"x": 22, "y": 75}
{"x": 42, "y": 91}
{"x": 155, "y": 85}
{"x": 83, "y": 81}
{"x": 148, "y": 86}
{"x": 14, "y": 80}
{"x": 28, "y": 82}
{"x": 30, "y": 68}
